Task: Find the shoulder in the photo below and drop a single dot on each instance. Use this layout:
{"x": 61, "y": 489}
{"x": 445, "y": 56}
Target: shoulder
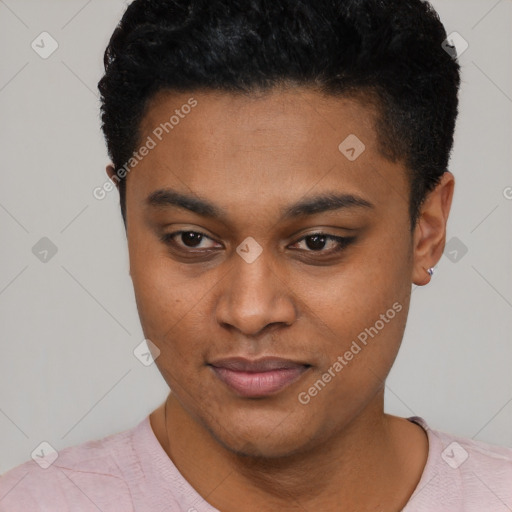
{"x": 464, "y": 474}
{"x": 78, "y": 478}
{"x": 469, "y": 457}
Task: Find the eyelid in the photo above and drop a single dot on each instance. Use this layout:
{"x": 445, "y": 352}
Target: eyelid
{"x": 342, "y": 242}
{"x": 168, "y": 238}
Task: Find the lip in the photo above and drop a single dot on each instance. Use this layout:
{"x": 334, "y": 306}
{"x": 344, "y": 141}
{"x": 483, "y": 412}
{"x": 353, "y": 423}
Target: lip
{"x": 259, "y": 377}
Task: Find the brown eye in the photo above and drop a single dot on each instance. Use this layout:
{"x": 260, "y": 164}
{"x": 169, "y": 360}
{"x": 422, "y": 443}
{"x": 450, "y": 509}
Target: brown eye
{"x": 323, "y": 243}
{"x": 188, "y": 240}
{"x": 316, "y": 242}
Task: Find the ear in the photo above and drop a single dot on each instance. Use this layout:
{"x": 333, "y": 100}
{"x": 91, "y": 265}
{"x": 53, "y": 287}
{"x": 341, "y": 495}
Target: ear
{"x": 430, "y": 232}
{"x": 111, "y": 171}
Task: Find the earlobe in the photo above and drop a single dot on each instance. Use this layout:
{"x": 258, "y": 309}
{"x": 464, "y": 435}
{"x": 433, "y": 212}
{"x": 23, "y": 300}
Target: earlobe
{"x": 430, "y": 231}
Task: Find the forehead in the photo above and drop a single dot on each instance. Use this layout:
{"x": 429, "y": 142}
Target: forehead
{"x": 273, "y": 144}
{"x": 298, "y": 117}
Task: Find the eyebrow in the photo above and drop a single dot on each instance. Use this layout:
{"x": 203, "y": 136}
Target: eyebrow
{"x": 165, "y": 198}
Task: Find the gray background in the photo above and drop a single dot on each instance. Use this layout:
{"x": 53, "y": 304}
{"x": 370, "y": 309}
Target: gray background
{"x": 69, "y": 325}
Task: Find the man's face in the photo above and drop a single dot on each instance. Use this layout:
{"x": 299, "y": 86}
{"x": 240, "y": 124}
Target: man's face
{"x": 333, "y": 278}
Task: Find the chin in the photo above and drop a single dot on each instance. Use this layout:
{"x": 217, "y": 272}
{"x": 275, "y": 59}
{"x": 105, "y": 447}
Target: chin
{"x": 264, "y": 435}
{"x": 251, "y": 446}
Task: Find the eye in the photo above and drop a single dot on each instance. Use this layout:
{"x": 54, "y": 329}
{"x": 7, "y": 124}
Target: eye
{"x": 196, "y": 241}
{"x": 324, "y": 243}
{"x": 188, "y": 240}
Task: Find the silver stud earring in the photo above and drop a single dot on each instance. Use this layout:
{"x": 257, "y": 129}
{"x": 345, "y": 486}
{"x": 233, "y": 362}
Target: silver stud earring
{"x": 431, "y": 271}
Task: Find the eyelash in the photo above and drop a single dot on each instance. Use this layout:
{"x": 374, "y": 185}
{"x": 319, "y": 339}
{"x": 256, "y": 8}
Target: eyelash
{"x": 343, "y": 242}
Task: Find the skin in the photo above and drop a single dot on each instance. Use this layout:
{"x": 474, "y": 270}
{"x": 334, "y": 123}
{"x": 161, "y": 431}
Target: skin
{"x": 253, "y": 156}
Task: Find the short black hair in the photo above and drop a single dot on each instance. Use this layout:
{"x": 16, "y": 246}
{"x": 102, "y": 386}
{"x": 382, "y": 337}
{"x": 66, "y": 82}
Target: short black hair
{"x": 390, "y": 50}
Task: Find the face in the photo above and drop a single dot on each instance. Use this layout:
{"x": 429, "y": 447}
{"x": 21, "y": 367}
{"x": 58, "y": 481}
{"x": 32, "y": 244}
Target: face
{"x": 271, "y": 268}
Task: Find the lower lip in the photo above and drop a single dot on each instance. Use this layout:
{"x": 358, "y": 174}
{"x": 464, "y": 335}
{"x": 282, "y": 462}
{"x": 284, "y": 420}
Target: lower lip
{"x": 251, "y": 384}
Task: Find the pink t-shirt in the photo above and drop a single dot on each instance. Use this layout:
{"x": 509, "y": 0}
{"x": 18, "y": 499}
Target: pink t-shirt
{"x": 130, "y": 471}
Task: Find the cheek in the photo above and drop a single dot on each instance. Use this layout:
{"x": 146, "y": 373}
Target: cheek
{"x": 354, "y": 297}
{"x": 359, "y": 346}
{"x": 361, "y": 312}
{"x": 168, "y": 303}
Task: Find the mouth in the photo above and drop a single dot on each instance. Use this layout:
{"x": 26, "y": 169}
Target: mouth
{"x": 258, "y": 378}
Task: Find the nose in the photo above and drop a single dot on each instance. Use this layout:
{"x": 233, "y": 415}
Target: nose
{"x": 254, "y": 296}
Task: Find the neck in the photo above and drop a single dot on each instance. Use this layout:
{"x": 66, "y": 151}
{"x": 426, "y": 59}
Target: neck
{"x": 374, "y": 463}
